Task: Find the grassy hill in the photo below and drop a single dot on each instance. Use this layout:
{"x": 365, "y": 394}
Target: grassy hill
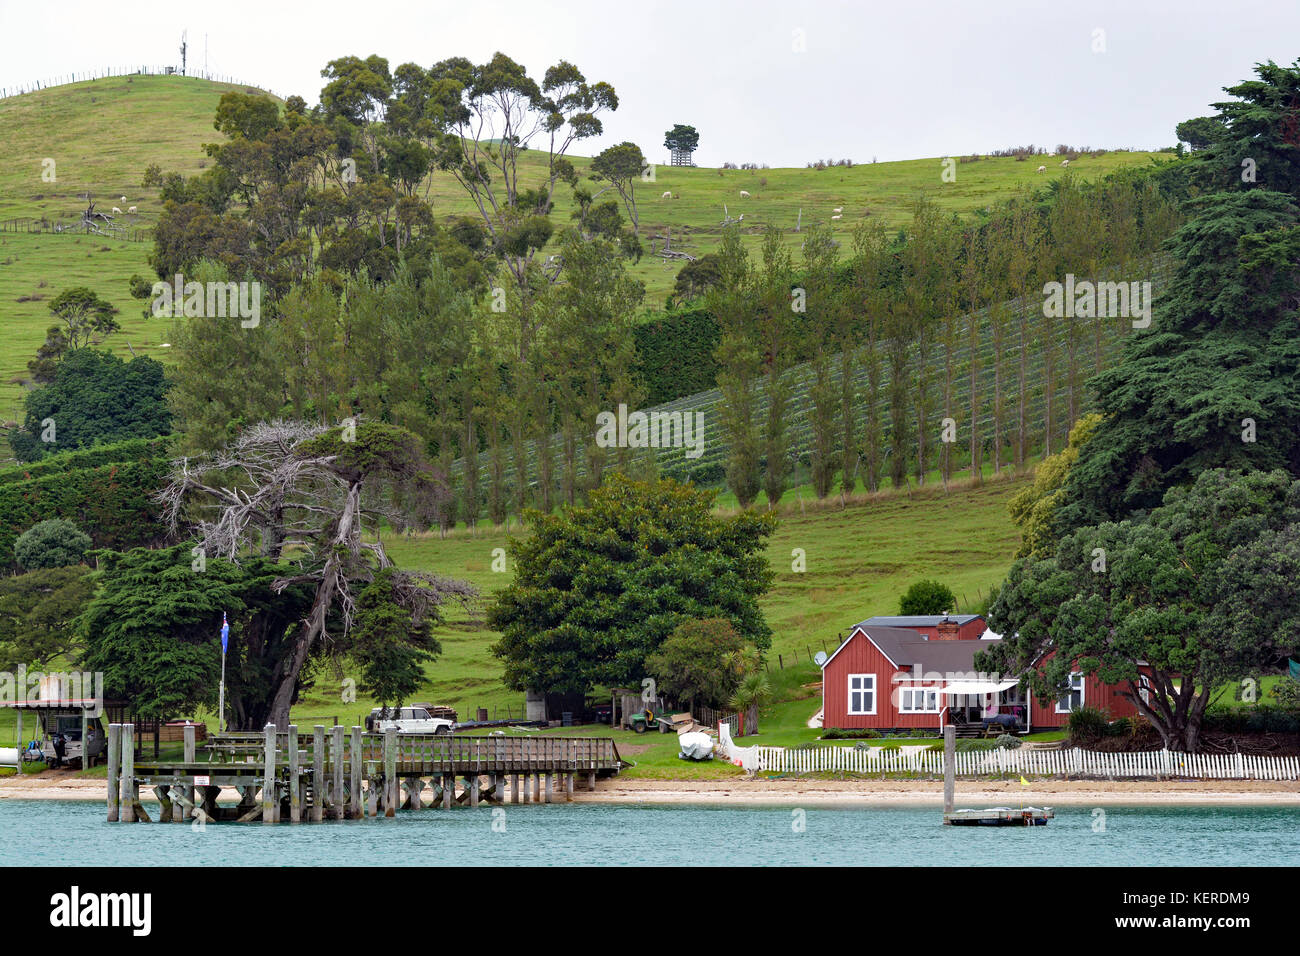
{"x": 104, "y": 133}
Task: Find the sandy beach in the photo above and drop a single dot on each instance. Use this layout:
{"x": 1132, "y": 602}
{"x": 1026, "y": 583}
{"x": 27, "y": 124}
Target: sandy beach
{"x": 787, "y": 792}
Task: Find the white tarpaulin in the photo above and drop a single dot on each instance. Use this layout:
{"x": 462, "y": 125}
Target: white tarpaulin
{"x": 977, "y": 686}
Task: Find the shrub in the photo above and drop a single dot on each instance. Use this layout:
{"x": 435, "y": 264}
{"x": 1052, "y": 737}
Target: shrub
{"x": 1262, "y": 718}
{"x": 836, "y": 733}
{"x": 53, "y": 543}
{"x": 927, "y": 597}
{"x": 1087, "y": 724}
{"x": 1008, "y": 741}
{"x": 1287, "y": 693}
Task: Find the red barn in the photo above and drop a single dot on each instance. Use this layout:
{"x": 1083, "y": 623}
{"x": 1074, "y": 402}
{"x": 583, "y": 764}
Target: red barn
{"x": 909, "y": 672}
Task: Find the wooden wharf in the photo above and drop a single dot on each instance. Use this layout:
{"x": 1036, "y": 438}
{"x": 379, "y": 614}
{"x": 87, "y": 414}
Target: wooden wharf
{"x": 337, "y": 773}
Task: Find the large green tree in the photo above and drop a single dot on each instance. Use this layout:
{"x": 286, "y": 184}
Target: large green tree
{"x": 599, "y": 588}
{"x": 1167, "y": 608}
{"x": 38, "y": 615}
{"x": 94, "y": 397}
{"x": 1212, "y": 382}
{"x": 153, "y": 629}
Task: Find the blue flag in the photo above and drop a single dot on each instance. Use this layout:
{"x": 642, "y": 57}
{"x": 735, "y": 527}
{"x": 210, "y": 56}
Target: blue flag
{"x": 225, "y": 632}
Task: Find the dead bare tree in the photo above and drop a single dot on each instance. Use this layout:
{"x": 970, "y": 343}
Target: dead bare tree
{"x": 314, "y": 497}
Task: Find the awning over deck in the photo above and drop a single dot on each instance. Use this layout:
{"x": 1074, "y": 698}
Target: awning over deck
{"x": 958, "y": 687}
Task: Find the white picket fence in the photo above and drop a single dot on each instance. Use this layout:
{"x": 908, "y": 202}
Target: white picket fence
{"x": 1043, "y": 763}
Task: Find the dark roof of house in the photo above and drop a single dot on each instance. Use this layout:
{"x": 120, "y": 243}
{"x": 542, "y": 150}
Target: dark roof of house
{"x": 923, "y": 620}
{"x": 907, "y": 648}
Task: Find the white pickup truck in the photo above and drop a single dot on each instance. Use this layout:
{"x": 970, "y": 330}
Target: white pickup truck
{"x": 408, "y": 720}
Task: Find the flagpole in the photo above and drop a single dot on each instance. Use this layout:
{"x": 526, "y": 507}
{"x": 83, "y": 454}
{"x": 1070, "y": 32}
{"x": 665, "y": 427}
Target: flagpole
{"x": 221, "y": 696}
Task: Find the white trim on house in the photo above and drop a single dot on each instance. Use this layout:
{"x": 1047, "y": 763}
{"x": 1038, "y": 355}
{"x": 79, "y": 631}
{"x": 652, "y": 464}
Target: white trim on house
{"x": 928, "y": 697}
{"x": 858, "y": 630}
{"x": 1074, "y": 675}
{"x": 862, "y": 689}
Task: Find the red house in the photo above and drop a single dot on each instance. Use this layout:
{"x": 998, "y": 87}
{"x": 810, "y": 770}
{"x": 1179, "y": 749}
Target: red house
{"x": 908, "y": 672}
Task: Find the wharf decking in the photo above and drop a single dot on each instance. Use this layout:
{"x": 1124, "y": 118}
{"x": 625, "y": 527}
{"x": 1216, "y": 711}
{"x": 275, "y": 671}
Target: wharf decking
{"x": 336, "y": 774}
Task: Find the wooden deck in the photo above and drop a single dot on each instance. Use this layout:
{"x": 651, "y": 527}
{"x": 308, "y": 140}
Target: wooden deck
{"x": 333, "y": 774}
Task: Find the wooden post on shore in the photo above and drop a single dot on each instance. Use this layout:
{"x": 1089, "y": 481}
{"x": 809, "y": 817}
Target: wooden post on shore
{"x": 114, "y": 768}
{"x": 85, "y": 740}
{"x": 537, "y": 788}
{"x": 568, "y": 787}
{"x": 269, "y": 798}
{"x": 128, "y": 773}
{"x": 390, "y": 771}
{"x": 336, "y": 760}
{"x": 448, "y": 790}
{"x": 473, "y": 790}
{"x": 317, "y": 773}
{"x": 356, "y": 803}
{"x": 295, "y": 777}
{"x": 549, "y": 777}
{"x": 22, "y": 744}
{"x": 591, "y": 780}
{"x": 514, "y": 789}
{"x": 949, "y": 767}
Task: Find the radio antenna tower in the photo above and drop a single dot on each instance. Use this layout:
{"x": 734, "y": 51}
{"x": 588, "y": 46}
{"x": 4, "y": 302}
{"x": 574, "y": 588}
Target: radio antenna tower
{"x": 184, "y": 34}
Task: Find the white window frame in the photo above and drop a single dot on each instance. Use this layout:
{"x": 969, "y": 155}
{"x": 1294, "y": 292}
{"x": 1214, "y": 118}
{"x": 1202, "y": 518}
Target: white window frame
{"x": 1069, "y": 708}
{"x": 929, "y": 697}
{"x": 862, "y": 688}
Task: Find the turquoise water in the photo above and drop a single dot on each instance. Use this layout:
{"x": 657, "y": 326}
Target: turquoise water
{"x": 52, "y": 832}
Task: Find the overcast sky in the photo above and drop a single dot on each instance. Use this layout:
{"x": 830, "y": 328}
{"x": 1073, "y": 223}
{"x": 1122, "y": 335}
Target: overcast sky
{"x": 769, "y": 82}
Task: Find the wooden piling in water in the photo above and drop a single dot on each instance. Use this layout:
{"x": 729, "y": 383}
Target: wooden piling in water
{"x": 114, "y": 769}
{"x": 129, "y": 790}
{"x": 336, "y": 761}
{"x": 269, "y": 799}
{"x": 317, "y": 773}
{"x": 295, "y": 778}
{"x": 390, "y": 771}
{"x": 949, "y": 767}
{"x": 448, "y": 790}
{"x": 356, "y": 805}
{"x": 188, "y": 798}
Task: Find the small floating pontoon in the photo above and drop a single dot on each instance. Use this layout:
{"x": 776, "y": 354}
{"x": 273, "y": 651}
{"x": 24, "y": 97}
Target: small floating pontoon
{"x": 999, "y": 817}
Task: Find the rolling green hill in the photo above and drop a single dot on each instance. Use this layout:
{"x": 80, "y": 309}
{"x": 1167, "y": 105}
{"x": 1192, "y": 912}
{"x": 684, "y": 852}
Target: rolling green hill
{"x": 103, "y": 134}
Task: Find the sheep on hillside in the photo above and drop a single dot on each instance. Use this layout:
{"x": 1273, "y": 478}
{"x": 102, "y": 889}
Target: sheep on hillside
{"x": 837, "y": 217}
{"x": 116, "y": 210}
{"x": 131, "y": 209}
{"x": 744, "y": 193}
{"x": 1065, "y": 162}
{"x": 1042, "y": 169}
{"x": 838, "y": 209}
{"x": 667, "y": 195}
